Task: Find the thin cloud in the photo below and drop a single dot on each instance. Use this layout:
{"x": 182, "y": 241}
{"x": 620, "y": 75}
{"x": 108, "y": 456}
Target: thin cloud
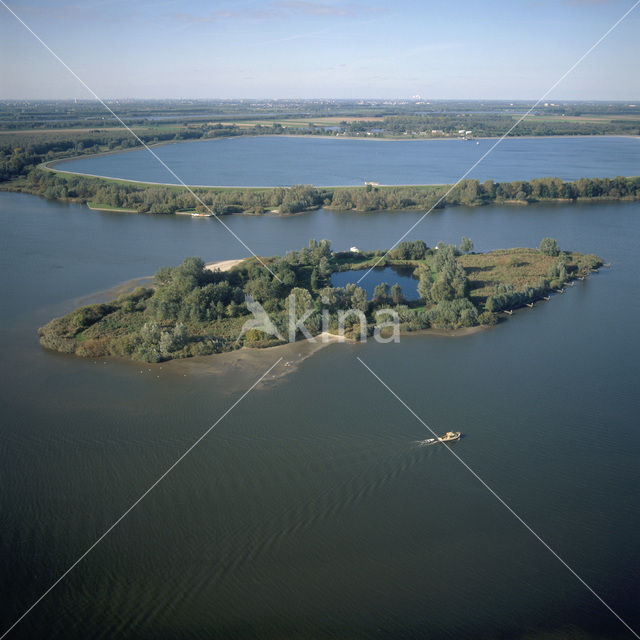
{"x": 82, "y": 12}
{"x": 324, "y": 9}
{"x": 585, "y": 3}
{"x": 282, "y": 9}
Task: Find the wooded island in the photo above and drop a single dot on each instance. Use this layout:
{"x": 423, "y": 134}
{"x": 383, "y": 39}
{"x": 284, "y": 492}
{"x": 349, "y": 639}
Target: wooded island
{"x": 192, "y": 310}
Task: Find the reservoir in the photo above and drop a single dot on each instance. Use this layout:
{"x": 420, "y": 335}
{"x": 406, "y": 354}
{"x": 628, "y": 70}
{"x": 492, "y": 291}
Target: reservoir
{"x": 310, "y": 510}
{"x": 281, "y": 161}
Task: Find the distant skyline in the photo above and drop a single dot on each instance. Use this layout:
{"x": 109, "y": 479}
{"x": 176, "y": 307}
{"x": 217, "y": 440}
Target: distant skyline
{"x": 320, "y": 49}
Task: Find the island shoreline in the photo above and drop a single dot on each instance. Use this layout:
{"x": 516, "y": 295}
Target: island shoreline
{"x": 146, "y": 325}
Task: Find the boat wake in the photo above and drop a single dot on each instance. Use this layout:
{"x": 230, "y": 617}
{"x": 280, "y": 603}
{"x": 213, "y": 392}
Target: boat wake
{"x": 427, "y": 442}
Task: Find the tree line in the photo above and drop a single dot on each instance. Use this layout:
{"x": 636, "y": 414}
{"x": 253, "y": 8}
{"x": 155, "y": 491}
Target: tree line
{"x": 484, "y": 125}
{"x": 475, "y": 193}
{"x": 287, "y": 200}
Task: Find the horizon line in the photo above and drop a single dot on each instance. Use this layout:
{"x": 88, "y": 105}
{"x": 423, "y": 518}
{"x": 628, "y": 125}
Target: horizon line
{"x": 309, "y": 99}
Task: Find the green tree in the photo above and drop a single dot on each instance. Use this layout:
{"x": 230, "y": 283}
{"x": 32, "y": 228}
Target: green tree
{"x": 549, "y": 247}
{"x": 445, "y": 253}
{"x": 324, "y": 268}
{"x": 466, "y": 245}
{"x": 450, "y": 283}
{"x": 359, "y": 299}
{"x": 381, "y": 294}
{"x": 588, "y": 261}
{"x": 424, "y": 285}
{"x": 180, "y": 336}
{"x": 396, "y": 294}
{"x": 301, "y": 299}
{"x": 450, "y": 314}
{"x": 419, "y": 250}
{"x": 150, "y": 332}
{"x": 558, "y": 273}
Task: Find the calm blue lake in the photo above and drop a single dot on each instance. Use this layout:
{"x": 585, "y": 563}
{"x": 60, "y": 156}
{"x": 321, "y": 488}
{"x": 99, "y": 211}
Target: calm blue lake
{"x": 277, "y": 161}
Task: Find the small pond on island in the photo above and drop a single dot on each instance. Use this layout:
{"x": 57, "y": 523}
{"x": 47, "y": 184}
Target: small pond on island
{"x": 402, "y": 275}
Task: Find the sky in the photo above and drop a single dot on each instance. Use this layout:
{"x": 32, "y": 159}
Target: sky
{"x": 436, "y": 49}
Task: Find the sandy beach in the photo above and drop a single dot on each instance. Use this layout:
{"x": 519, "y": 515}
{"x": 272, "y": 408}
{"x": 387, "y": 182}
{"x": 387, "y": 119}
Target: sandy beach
{"x": 223, "y": 265}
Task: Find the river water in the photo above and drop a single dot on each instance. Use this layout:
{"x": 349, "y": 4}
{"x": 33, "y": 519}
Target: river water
{"x": 310, "y": 510}
{"x": 276, "y": 161}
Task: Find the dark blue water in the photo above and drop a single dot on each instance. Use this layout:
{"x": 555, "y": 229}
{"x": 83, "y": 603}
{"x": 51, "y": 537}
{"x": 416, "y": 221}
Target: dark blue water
{"x": 310, "y": 511}
{"x": 274, "y": 161}
{"x": 390, "y": 275}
